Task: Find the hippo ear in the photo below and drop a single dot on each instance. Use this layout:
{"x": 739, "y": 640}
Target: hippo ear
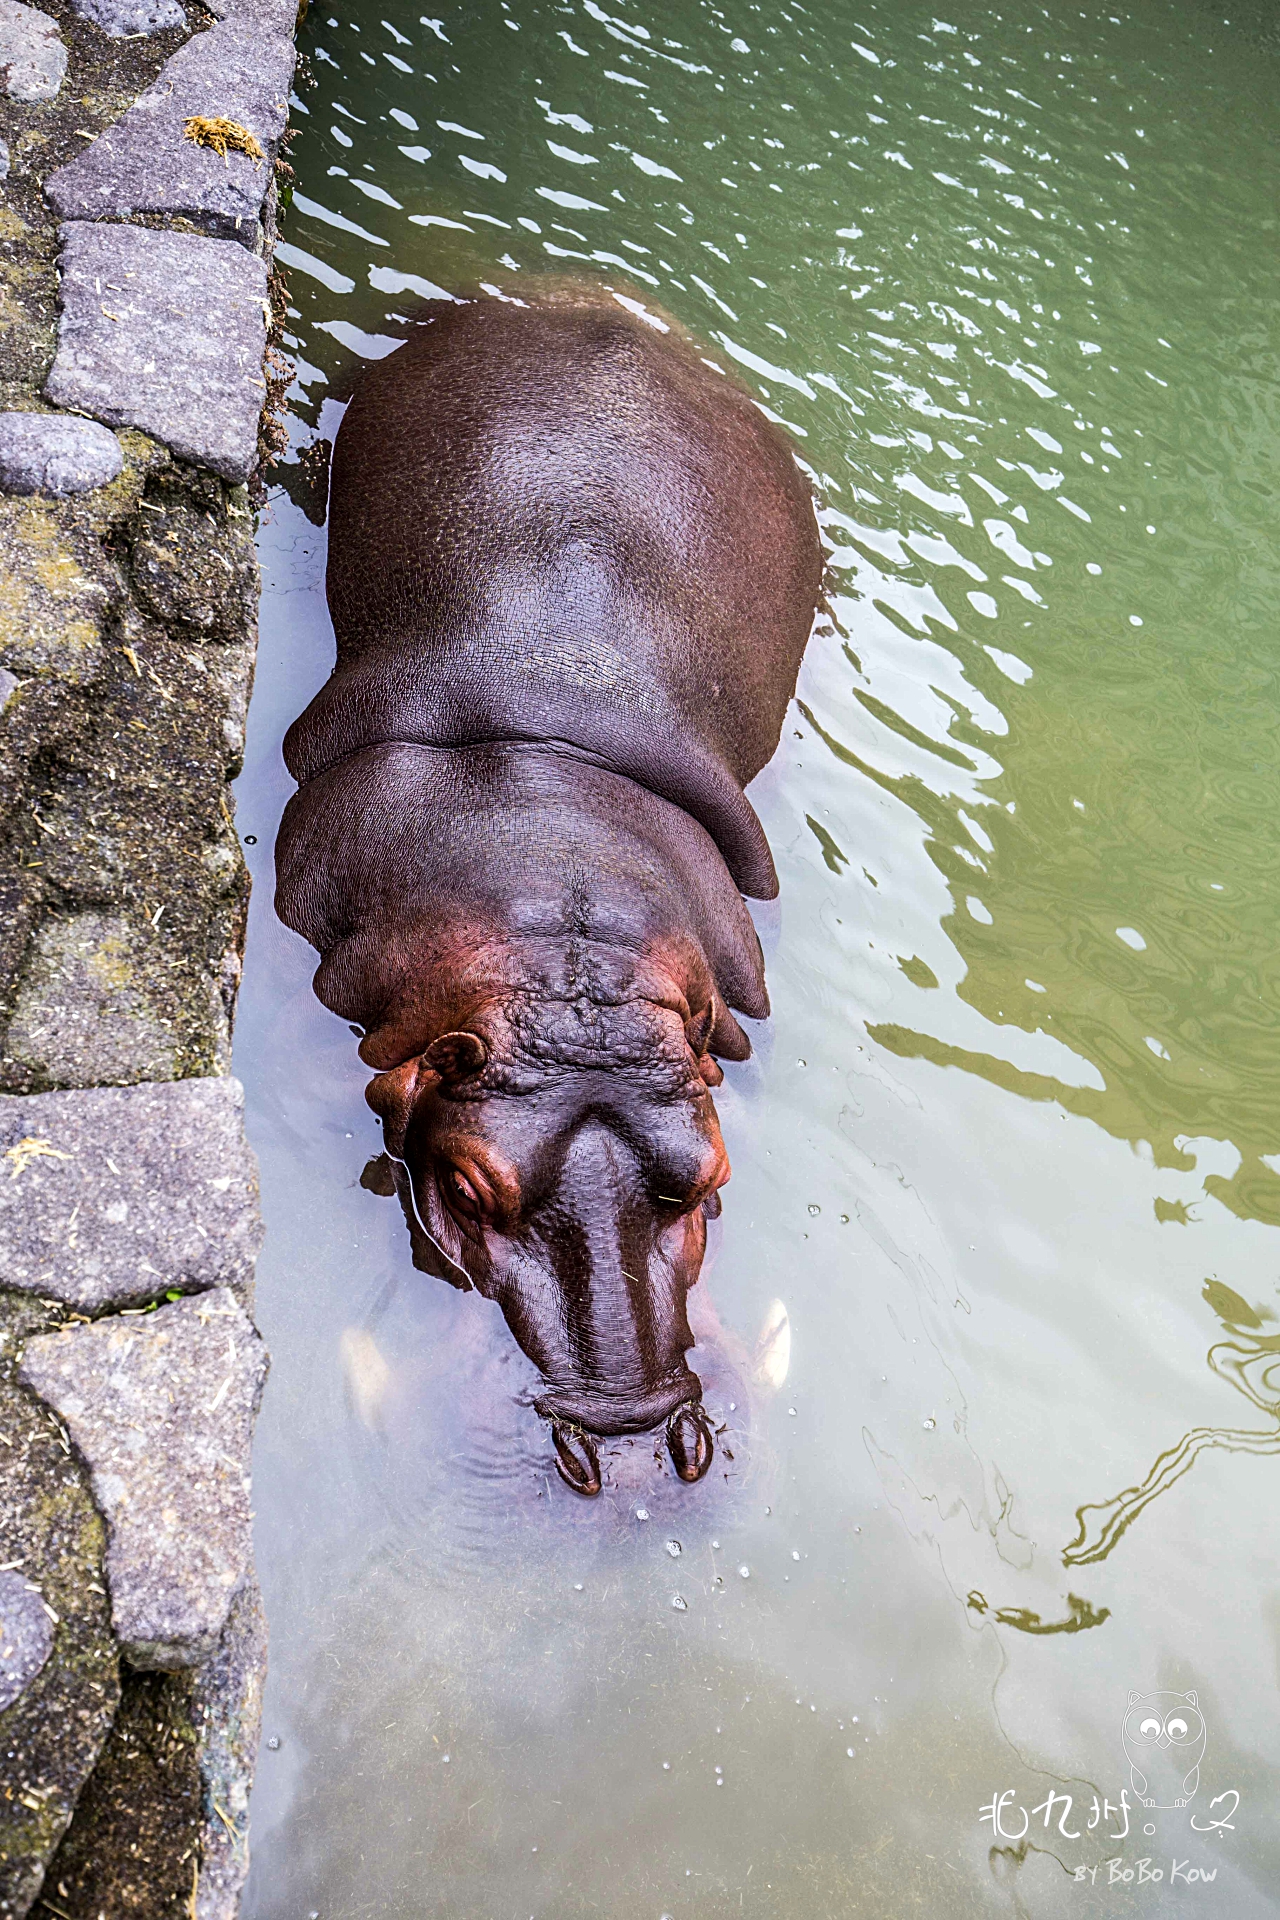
{"x": 455, "y": 1056}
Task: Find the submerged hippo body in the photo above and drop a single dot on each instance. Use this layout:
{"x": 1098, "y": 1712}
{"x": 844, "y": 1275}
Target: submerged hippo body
{"x": 572, "y": 571}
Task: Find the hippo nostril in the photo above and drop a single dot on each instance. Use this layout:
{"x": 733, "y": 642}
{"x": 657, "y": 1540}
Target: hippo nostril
{"x": 689, "y": 1442}
{"x": 577, "y": 1461}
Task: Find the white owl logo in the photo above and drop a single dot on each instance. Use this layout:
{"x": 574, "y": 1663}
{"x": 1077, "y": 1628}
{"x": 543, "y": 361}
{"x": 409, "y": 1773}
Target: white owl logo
{"x": 1164, "y": 1740}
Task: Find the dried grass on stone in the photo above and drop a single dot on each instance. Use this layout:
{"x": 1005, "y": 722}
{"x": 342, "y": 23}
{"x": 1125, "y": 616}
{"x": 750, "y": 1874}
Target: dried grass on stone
{"x": 224, "y": 136}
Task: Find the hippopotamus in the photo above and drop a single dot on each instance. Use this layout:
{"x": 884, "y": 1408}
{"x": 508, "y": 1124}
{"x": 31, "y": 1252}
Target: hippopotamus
{"x": 572, "y": 572}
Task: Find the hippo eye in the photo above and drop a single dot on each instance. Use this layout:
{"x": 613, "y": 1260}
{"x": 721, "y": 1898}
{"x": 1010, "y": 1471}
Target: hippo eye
{"x": 462, "y": 1194}
{"x": 1150, "y": 1728}
{"x": 679, "y": 1205}
{"x": 1176, "y": 1728}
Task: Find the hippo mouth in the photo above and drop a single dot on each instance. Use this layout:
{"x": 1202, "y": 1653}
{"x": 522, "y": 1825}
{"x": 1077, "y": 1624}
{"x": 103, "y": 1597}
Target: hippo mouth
{"x": 598, "y": 1411}
{"x": 579, "y": 1419}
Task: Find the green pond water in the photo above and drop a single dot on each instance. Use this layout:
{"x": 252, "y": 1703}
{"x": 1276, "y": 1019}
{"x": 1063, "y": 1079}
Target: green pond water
{"x": 992, "y": 1319}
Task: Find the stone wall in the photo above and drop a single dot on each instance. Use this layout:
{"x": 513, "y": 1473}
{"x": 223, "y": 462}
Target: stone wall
{"x": 138, "y": 157}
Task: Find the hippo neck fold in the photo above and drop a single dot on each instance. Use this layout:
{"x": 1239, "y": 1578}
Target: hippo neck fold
{"x": 433, "y": 879}
{"x": 397, "y": 698}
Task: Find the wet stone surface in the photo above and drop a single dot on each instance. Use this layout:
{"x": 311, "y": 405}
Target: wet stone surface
{"x": 33, "y": 60}
{"x": 26, "y": 1635}
{"x": 164, "y": 331}
{"x": 121, "y": 1194}
{"x": 56, "y": 453}
{"x": 146, "y": 164}
{"x": 161, "y": 1407}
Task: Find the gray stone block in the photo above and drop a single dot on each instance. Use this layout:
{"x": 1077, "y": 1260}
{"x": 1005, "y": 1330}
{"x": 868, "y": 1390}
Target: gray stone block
{"x": 82, "y": 1015}
{"x": 56, "y": 453}
{"x": 227, "y": 1716}
{"x": 145, "y": 163}
{"x": 33, "y": 60}
{"x": 9, "y": 684}
{"x": 55, "y": 591}
{"x": 121, "y": 17}
{"x": 51, "y": 1538}
{"x": 259, "y": 16}
{"x": 127, "y": 1193}
{"x": 4, "y": 159}
{"x": 167, "y": 332}
{"x": 161, "y": 1406}
{"x": 26, "y": 1635}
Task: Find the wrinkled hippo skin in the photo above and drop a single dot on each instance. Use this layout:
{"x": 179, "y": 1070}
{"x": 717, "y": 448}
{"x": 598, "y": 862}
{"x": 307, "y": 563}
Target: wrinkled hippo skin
{"x": 572, "y": 571}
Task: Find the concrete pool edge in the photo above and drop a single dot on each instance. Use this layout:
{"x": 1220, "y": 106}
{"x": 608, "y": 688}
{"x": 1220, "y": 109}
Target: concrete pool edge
{"x": 139, "y": 389}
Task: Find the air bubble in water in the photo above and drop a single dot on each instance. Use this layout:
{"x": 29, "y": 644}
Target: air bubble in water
{"x": 679, "y": 1603}
{"x": 814, "y": 1209}
{"x": 745, "y": 1571}
{"x": 674, "y": 1549}
{"x": 642, "y": 1513}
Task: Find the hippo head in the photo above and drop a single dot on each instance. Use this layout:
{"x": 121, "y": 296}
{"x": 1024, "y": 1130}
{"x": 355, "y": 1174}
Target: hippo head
{"x": 566, "y": 1161}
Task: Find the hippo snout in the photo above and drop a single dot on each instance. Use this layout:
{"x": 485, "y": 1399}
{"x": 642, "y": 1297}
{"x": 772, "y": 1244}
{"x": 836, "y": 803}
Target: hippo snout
{"x": 578, "y": 1419}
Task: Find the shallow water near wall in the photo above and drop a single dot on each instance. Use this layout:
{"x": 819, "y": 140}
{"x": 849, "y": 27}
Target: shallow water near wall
{"x": 991, "y": 1319}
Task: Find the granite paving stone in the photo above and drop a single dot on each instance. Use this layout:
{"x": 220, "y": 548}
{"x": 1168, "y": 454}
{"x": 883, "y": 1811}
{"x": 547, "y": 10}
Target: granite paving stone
{"x": 59, "y": 1693}
{"x": 227, "y": 1715}
{"x": 146, "y": 164}
{"x": 160, "y": 1406}
{"x": 259, "y": 16}
{"x": 56, "y": 453}
{"x": 54, "y": 592}
{"x": 123, "y": 1194}
{"x": 26, "y": 1635}
{"x": 167, "y": 332}
{"x": 121, "y": 18}
{"x": 33, "y": 59}
{"x": 83, "y": 1013}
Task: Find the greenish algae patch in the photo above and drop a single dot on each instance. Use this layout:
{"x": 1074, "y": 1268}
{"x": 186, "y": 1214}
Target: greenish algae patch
{"x": 52, "y": 605}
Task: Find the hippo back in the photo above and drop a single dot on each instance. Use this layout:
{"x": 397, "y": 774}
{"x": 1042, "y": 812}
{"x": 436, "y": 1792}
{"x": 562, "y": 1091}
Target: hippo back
{"x": 558, "y": 523}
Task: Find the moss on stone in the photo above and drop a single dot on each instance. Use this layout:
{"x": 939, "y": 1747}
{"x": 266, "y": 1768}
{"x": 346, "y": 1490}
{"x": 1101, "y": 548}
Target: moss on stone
{"x": 52, "y": 605}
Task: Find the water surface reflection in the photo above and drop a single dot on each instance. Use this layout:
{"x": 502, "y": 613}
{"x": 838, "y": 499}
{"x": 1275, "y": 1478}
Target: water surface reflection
{"x": 1008, "y": 1155}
